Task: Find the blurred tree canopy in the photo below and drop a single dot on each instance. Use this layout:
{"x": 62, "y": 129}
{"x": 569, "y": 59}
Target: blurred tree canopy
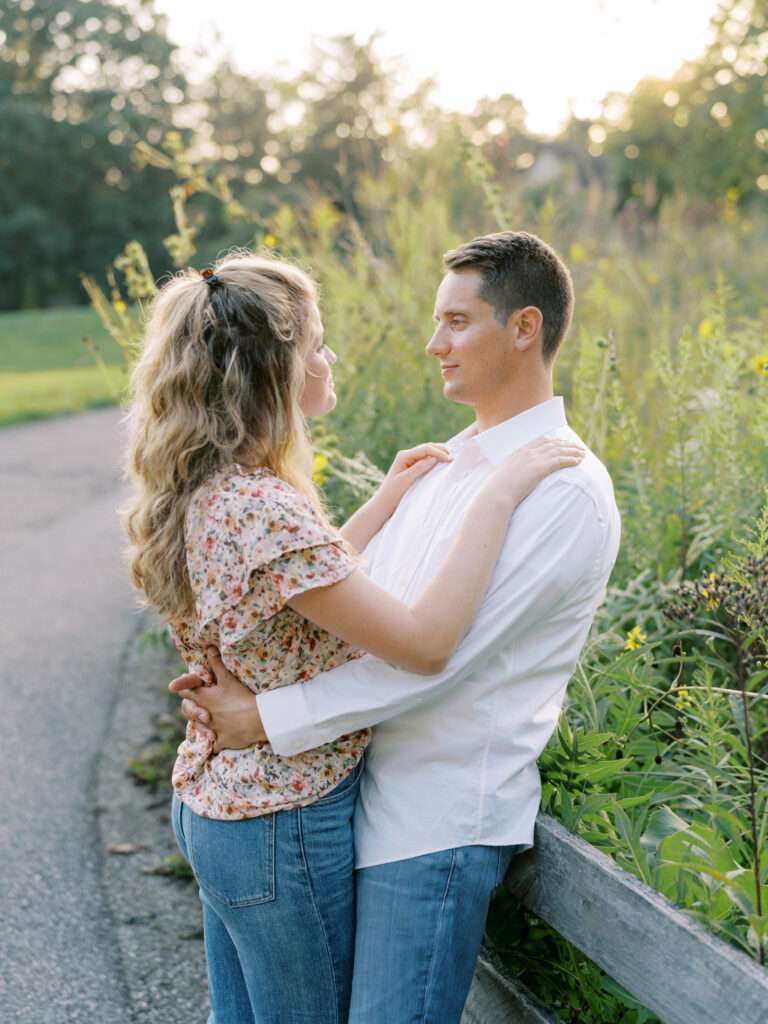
{"x": 82, "y": 83}
{"x": 704, "y": 132}
{"x": 79, "y": 83}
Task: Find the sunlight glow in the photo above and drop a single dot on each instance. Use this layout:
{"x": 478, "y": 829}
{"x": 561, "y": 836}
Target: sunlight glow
{"x": 555, "y": 55}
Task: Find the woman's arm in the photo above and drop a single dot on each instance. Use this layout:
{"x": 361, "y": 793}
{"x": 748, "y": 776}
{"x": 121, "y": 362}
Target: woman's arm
{"x": 406, "y": 468}
{"x": 422, "y": 637}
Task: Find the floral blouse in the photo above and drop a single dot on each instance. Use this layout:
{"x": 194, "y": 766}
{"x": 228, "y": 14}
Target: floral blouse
{"x": 252, "y": 543}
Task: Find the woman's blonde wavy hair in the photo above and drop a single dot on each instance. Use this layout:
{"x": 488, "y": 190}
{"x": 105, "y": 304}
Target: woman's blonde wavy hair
{"x": 218, "y": 381}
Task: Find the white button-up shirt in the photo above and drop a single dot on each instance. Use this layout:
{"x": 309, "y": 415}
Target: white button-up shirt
{"x": 452, "y": 761}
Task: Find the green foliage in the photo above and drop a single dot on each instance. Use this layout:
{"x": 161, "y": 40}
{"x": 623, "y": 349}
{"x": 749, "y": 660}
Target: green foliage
{"x": 660, "y": 758}
{"x": 36, "y": 395}
{"x": 704, "y": 132}
{"x": 84, "y": 81}
{"x": 152, "y": 765}
{"x": 52, "y": 339}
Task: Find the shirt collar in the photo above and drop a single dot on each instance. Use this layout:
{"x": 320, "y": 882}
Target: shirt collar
{"x": 501, "y": 440}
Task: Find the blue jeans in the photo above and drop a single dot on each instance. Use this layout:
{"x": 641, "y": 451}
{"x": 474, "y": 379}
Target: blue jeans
{"x": 420, "y": 923}
{"x": 278, "y": 909}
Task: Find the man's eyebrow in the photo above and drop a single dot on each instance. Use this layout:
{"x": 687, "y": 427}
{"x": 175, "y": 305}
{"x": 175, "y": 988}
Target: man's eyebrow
{"x": 452, "y": 312}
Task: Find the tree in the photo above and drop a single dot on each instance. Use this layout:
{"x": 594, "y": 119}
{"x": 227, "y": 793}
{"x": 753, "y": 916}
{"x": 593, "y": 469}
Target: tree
{"x": 78, "y": 85}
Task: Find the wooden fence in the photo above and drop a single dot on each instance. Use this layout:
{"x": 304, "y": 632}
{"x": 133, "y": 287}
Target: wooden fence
{"x": 666, "y": 959}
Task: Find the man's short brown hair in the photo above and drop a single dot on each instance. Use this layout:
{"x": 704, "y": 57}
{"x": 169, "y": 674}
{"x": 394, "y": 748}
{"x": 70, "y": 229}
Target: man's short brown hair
{"x": 518, "y": 270}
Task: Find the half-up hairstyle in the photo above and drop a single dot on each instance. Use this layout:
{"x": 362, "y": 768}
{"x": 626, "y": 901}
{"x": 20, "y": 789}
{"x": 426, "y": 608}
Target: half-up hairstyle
{"x": 219, "y": 380}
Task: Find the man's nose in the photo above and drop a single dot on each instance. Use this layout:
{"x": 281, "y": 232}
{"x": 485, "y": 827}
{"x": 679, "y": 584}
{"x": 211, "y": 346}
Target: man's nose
{"x": 438, "y": 344}
{"x": 331, "y": 355}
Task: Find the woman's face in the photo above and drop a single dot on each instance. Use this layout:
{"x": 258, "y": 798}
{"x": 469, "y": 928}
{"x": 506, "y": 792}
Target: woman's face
{"x": 318, "y": 396}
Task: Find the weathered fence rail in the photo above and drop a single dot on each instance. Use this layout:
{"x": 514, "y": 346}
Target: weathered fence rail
{"x": 667, "y": 960}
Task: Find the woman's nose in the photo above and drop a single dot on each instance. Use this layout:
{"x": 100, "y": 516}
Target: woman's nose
{"x": 330, "y": 355}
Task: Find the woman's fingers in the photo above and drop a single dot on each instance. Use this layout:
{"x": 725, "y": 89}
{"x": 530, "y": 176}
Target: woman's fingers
{"x": 420, "y": 468}
{"x": 410, "y": 456}
{"x": 430, "y": 450}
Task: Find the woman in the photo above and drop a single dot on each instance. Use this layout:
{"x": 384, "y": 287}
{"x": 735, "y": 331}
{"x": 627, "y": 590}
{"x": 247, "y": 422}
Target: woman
{"x": 230, "y": 543}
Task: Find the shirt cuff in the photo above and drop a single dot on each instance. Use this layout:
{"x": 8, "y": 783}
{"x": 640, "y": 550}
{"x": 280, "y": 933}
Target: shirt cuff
{"x": 285, "y": 717}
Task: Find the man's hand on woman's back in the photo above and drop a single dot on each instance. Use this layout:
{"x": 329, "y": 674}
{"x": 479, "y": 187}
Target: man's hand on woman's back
{"x": 225, "y": 713}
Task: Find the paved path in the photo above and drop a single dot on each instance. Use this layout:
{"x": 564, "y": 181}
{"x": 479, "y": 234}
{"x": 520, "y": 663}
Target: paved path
{"x": 66, "y": 618}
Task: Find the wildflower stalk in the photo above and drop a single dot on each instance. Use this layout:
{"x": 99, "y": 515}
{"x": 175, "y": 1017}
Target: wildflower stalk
{"x": 742, "y": 677}
{"x": 685, "y": 540}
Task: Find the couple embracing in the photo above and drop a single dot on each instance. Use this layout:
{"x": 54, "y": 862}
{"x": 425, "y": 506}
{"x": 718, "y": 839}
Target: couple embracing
{"x": 352, "y": 790}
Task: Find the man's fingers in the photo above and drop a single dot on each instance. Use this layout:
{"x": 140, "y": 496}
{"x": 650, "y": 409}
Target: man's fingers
{"x": 217, "y": 666}
{"x": 193, "y": 696}
{"x": 219, "y": 670}
{"x": 190, "y": 681}
{"x": 194, "y": 713}
{"x": 204, "y": 731}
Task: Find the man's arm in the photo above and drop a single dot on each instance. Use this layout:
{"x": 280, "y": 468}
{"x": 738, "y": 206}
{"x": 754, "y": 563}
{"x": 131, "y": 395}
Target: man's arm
{"x": 553, "y": 544}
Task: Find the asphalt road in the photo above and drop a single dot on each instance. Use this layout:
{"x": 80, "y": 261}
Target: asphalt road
{"x": 67, "y": 618}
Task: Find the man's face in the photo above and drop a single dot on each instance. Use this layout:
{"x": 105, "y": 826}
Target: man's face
{"x": 476, "y": 352}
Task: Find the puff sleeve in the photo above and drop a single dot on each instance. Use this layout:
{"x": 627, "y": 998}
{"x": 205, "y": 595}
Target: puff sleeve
{"x": 252, "y": 544}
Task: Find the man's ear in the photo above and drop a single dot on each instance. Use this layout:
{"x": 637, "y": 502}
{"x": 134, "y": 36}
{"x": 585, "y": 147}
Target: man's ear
{"x": 528, "y": 323}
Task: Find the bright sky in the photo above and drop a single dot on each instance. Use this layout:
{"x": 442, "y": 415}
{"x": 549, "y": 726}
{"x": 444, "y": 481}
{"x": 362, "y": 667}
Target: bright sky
{"x": 552, "y": 54}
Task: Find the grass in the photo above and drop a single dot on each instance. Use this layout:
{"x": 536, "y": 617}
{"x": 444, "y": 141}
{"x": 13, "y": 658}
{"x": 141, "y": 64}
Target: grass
{"x": 29, "y": 396}
{"x": 52, "y": 339}
{"x": 46, "y": 370}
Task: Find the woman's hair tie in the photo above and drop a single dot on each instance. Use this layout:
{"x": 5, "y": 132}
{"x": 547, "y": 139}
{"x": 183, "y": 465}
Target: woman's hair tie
{"x": 210, "y": 277}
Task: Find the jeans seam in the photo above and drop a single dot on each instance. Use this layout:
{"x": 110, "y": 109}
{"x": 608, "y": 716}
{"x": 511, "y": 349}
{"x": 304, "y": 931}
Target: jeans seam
{"x": 248, "y": 901}
{"x": 319, "y": 916}
{"x": 440, "y": 916}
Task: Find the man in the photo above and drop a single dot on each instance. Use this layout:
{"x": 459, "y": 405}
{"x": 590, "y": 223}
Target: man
{"x": 451, "y": 788}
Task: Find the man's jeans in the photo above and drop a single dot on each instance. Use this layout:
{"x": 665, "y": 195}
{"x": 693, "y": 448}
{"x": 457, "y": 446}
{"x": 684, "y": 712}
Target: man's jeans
{"x": 278, "y": 909}
{"x": 420, "y": 923}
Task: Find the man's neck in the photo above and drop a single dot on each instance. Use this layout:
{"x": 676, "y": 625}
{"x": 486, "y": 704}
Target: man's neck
{"x": 504, "y": 407}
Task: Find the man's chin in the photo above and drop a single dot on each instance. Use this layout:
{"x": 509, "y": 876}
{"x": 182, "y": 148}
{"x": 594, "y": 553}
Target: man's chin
{"x": 452, "y": 391}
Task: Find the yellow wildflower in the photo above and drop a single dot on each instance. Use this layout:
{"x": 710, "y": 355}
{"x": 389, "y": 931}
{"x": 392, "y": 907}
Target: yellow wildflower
{"x": 760, "y": 364}
{"x": 119, "y": 306}
{"x": 270, "y": 241}
{"x": 706, "y": 329}
{"x": 709, "y": 594}
{"x": 318, "y": 465}
{"x": 683, "y": 699}
{"x": 635, "y": 637}
{"x": 728, "y": 349}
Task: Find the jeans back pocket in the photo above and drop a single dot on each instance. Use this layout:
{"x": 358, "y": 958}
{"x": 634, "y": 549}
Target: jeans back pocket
{"x": 234, "y": 861}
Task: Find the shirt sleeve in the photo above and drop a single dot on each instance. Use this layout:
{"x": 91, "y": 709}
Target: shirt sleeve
{"x": 252, "y": 546}
{"x": 554, "y": 545}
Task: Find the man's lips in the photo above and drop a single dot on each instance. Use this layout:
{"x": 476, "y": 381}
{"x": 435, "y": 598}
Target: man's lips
{"x": 448, "y": 367}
